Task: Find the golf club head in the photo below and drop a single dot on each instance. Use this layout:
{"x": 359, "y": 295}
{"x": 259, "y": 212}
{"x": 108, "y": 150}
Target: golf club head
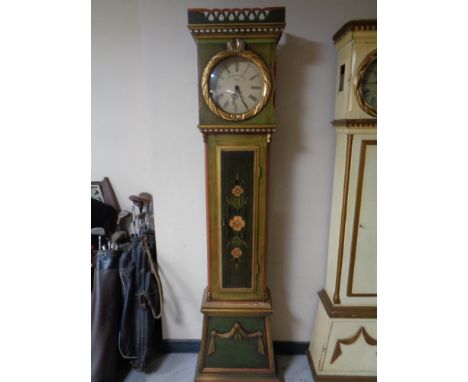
{"x": 137, "y": 201}
{"x": 122, "y": 215}
{"x": 119, "y": 237}
{"x": 147, "y": 209}
{"x": 98, "y": 231}
{"x": 146, "y": 197}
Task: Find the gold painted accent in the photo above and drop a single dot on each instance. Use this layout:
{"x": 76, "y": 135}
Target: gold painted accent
{"x": 205, "y": 84}
{"x": 239, "y": 334}
{"x": 248, "y": 30}
{"x": 343, "y": 311}
{"x": 238, "y": 26}
{"x": 212, "y": 371}
{"x": 232, "y": 126}
{"x": 357, "y": 83}
{"x": 357, "y": 213}
{"x": 356, "y": 123}
{"x": 344, "y": 207}
{"x": 353, "y": 26}
{"x": 236, "y": 131}
{"x": 243, "y": 307}
{"x": 351, "y": 340}
{"x": 236, "y": 45}
{"x": 212, "y": 37}
{"x": 219, "y": 150}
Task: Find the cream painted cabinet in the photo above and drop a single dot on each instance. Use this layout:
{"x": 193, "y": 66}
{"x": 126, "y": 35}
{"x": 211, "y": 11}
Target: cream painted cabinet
{"x": 344, "y": 340}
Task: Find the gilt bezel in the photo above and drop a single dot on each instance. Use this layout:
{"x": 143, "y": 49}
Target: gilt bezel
{"x": 357, "y": 83}
{"x": 205, "y": 84}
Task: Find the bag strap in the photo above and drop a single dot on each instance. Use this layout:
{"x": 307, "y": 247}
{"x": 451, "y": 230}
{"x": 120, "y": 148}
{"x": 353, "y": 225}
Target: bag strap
{"x": 154, "y": 271}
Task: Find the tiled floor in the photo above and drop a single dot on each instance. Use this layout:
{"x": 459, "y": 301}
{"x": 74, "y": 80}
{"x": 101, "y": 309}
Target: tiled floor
{"x": 180, "y": 367}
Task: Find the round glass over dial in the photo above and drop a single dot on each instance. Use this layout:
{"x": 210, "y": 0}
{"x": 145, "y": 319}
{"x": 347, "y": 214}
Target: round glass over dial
{"x": 368, "y": 85}
{"x": 236, "y": 85}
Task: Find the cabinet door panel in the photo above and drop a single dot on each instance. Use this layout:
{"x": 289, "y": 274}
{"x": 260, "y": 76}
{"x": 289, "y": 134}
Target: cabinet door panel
{"x": 237, "y": 209}
{"x": 238, "y": 204}
{"x": 364, "y": 277}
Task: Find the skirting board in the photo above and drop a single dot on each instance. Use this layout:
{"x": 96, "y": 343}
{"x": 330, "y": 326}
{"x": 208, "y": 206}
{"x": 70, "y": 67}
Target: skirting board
{"x": 193, "y": 346}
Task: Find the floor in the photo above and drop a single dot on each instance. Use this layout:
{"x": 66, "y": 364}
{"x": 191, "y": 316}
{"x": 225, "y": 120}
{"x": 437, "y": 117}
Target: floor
{"x": 180, "y": 367}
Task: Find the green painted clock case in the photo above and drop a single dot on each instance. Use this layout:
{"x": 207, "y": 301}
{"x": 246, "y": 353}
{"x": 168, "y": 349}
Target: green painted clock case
{"x": 236, "y": 340}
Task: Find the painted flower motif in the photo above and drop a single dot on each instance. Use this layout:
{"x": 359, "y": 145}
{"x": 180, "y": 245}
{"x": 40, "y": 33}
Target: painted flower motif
{"x": 237, "y": 191}
{"x": 236, "y": 253}
{"x": 237, "y": 223}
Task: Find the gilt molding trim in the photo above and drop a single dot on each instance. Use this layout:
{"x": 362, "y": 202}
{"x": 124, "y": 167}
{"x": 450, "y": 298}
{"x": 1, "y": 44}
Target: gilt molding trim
{"x": 358, "y": 78}
{"x": 239, "y": 334}
{"x": 227, "y": 307}
{"x": 236, "y": 48}
{"x": 228, "y": 129}
{"x": 356, "y": 123}
{"x": 334, "y": 311}
{"x": 351, "y": 340}
{"x": 226, "y": 22}
{"x": 355, "y": 25}
{"x": 344, "y": 209}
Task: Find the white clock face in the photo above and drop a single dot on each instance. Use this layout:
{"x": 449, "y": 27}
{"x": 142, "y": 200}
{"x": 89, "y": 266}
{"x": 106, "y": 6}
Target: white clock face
{"x": 369, "y": 85}
{"x": 236, "y": 85}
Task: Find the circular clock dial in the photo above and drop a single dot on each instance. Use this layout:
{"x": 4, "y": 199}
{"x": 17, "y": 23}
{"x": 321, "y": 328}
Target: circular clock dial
{"x": 236, "y": 85}
{"x": 368, "y": 85}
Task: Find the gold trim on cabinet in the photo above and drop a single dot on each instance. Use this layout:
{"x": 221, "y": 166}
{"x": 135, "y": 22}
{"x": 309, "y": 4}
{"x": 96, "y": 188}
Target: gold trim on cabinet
{"x": 237, "y": 129}
{"x": 346, "y": 311}
{"x": 203, "y": 354}
{"x": 357, "y": 214}
{"x": 230, "y": 307}
{"x": 349, "y": 149}
{"x": 225, "y": 31}
{"x": 232, "y": 126}
{"x": 236, "y": 49}
{"x": 357, "y": 83}
{"x": 356, "y": 123}
{"x": 351, "y": 340}
{"x": 256, "y": 178}
{"x": 234, "y": 28}
{"x": 355, "y": 25}
{"x": 239, "y": 334}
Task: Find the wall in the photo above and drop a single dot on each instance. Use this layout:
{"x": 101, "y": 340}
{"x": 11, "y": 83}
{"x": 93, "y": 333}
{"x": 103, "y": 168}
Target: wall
{"x": 144, "y": 138}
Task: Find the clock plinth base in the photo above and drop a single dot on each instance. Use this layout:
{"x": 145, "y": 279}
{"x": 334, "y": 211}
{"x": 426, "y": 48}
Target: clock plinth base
{"x": 236, "y": 342}
{"x": 344, "y": 342}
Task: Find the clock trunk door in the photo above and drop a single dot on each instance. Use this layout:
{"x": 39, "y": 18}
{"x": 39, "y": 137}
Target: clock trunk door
{"x": 237, "y": 182}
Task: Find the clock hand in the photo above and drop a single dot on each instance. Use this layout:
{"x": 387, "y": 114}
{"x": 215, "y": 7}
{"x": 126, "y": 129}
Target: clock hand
{"x": 234, "y": 98}
{"x": 238, "y": 92}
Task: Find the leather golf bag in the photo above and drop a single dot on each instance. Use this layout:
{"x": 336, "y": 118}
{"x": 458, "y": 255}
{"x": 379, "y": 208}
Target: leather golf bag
{"x": 140, "y": 327}
{"x": 106, "y": 307}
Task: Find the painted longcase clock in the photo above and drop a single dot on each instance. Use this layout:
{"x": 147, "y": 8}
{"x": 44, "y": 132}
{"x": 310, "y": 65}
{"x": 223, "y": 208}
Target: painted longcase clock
{"x": 236, "y": 66}
{"x": 344, "y": 341}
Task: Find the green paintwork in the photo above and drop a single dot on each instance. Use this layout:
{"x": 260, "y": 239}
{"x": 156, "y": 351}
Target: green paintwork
{"x": 237, "y": 170}
{"x": 237, "y": 359}
{"x": 241, "y": 16}
{"x": 236, "y": 353}
{"x": 216, "y": 202}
